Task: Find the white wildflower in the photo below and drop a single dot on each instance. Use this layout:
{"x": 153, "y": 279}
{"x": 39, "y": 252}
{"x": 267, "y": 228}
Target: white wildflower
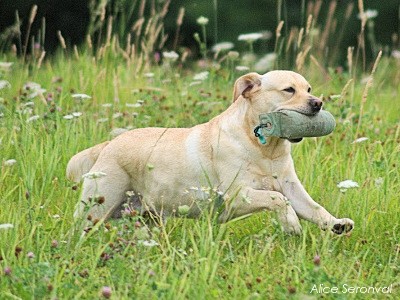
{"x": 107, "y": 105}
{"x": 102, "y": 120}
{"x": 218, "y": 192}
{"x": 56, "y": 216}
{"x": 35, "y": 88}
{"x": 130, "y": 194}
{"x": 182, "y": 251}
{"x": 369, "y": 14}
{"x": 366, "y": 79}
{"x": 94, "y": 175}
{"x": 4, "y": 84}
{"x": 233, "y": 54}
{"x": 249, "y": 59}
{"x": 81, "y": 96}
{"x": 133, "y": 105}
{"x": 266, "y": 63}
{"x": 201, "y": 76}
{"x": 6, "y": 226}
{"x": 117, "y": 115}
{"x": 223, "y": 46}
{"x": 10, "y": 162}
{"x": 32, "y": 86}
{"x": 150, "y": 243}
{"x": 205, "y": 189}
{"x": 30, "y": 103}
{"x": 250, "y": 37}
{"x": 26, "y": 111}
{"x": 171, "y": 55}
{"x": 77, "y": 114}
{"x": 266, "y": 35}
{"x": 379, "y": 181}
{"x": 347, "y": 184}
{"x": 138, "y": 103}
{"x": 148, "y": 75}
{"x": 396, "y": 54}
{"x": 36, "y": 93}
{"x": 242, "y": 68}
{"x": 194, "y": 83}
{"x": 5, "y": 65}
{"x": 360, "y": 140}
{"x": 202, "y": 21}
{"x": 335, "y": 97}
{"x": 73, "y": 115}
{"x": 33, "y": 118}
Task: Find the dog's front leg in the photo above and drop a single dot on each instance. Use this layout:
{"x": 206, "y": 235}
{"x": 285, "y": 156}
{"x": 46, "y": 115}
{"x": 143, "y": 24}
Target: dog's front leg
{"x": 306, "y": 208}
{"x": 250, "y": 201}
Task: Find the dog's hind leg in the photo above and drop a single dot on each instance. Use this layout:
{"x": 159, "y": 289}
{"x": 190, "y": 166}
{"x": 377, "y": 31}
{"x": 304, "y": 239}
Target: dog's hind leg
{"x": 83, "y": 161}
{"x": 101, "y": 196}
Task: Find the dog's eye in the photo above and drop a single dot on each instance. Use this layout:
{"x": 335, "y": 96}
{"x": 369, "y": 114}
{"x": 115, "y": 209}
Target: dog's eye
{"x": 309, "y": 90}
{"x": 290, "y": 90}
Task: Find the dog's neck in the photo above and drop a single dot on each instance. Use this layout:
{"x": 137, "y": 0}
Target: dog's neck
{"x": 240, "y": 119}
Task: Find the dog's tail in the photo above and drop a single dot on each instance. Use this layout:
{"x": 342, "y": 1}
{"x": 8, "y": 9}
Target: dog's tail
{"x": 82, "y": 162}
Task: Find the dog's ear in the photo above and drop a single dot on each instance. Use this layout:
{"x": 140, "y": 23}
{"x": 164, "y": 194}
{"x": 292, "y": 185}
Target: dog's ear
{"x": 246, "y": 85}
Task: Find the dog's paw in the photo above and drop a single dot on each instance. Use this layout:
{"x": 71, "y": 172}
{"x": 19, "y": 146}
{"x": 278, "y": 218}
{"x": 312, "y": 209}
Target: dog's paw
{"x": 343, "y": 226}
{"x": 290, "y": 222}
{"x": 292, "y": 229}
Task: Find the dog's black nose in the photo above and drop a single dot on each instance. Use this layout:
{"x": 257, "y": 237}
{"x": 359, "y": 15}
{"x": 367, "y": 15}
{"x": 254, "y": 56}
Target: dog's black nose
{"x": 315, "y": 104}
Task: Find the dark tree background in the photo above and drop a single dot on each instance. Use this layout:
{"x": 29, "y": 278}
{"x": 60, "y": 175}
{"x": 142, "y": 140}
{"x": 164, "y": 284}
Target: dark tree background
{"x": 227, "y": 19}
{"x": 69, "y": 16}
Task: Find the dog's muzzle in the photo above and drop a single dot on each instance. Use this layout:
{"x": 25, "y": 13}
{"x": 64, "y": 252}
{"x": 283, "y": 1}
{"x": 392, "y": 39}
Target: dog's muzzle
{"x": 294, "y": 126}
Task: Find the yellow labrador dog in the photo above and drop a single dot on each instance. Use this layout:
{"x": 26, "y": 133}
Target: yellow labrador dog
{"x": 169, "y": 167}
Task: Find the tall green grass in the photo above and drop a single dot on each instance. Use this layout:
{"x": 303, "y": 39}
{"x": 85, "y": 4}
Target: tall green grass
{"x": 192, "y": 259}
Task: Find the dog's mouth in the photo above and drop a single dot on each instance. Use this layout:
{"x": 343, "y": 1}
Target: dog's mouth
{"x": 305, "y": 112}
{"x": 294, "y": 141}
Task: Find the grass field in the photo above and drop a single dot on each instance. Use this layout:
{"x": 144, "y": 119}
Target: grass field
{"x": 43, "y": 254}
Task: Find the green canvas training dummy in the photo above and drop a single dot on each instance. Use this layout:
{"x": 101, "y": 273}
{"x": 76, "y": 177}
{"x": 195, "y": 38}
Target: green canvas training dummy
{"x": 293, "y": 125}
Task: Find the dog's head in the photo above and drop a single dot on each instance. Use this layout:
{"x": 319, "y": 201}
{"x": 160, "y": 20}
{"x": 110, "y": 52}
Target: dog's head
{"x": 277, "y": 90}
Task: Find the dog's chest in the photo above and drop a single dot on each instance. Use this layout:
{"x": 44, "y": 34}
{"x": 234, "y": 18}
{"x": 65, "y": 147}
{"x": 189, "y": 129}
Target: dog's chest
{"x": 266, "y": 174}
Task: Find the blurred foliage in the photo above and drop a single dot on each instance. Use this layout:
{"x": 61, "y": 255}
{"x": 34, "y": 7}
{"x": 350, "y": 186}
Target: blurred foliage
{"x": 227, "y": 20}
{"x": 69, "y": 16}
